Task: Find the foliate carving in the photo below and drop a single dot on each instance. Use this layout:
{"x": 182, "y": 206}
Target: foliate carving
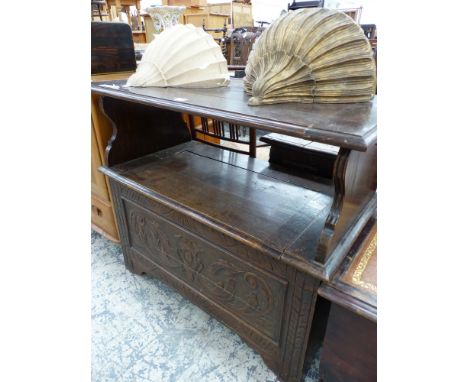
{"x": 148, "y": 233}
{"x": 240, "y": 289}
{"x": 231, "y": 245}
{"x": 232, "y": 281}
{"x": 189, "y": 255}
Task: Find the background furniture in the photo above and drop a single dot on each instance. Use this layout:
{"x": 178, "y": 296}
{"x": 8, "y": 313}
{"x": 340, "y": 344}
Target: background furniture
{"x": 112, "y": 48}
{"x": 214, "y": 23}
{"x": 312, "y": 158}
{"x": 349, "y": 351}
{"x": 370, "y": 30}
{"x": 239, "y": 43}
{"x": 187, "y": 3}
{"x": 165, "y": 16}
{"x": 118, "y": 6}
{"x": 240, "y": 14}
{"x": 247, "y": 241}
{"x": 305, "y": 4}
{"x": 112, "y": 57}
{"x": 354, "y": 13}
{"x": 233, "y": 133}
{"x": 139, "y": 37}
{"x": 99, "y": 10}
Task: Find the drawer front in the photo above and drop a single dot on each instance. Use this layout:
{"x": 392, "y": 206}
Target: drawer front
{"x": 103, "y": 217}
{"x": 247, "y": 292}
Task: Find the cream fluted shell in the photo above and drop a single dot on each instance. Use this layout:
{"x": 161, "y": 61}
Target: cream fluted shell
{"x": 182, "y": 56}
{"x": 311, "y": 56}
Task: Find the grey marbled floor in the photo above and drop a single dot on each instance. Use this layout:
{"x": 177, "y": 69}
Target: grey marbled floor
{"x": 144, "y": 331}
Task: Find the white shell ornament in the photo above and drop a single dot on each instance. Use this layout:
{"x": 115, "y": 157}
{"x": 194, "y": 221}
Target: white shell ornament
{"x": 311, "y": 56}
{"x": 182, "y": 56}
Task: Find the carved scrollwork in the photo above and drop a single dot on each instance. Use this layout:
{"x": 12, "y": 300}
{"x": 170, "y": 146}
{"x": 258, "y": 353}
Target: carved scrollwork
{"x": 149, "y": 234}
{"x": 232, "y": 282}
{"x": 227, "y": 282}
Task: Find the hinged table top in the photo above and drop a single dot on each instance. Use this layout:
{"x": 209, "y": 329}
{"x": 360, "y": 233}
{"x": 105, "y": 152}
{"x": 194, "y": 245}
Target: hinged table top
{"x": 352, "y": 126}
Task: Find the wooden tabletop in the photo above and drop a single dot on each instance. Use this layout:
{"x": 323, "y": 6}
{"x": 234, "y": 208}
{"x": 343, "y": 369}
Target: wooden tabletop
{"x": 352, "y": 126}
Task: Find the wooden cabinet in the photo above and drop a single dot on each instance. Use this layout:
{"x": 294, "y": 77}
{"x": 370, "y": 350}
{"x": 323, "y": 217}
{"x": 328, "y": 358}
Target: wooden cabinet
{"x": 102, "y": 212}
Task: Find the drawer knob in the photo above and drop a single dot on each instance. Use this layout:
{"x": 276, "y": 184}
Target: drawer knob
{"x": 97, "y": 210}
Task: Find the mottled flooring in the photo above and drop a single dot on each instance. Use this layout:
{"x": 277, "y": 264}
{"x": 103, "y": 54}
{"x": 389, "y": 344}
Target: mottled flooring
{"x": 142, "y": 330}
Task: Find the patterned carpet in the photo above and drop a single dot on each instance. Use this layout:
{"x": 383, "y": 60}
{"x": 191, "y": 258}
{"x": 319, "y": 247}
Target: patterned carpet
{"x": 144, "y": 331}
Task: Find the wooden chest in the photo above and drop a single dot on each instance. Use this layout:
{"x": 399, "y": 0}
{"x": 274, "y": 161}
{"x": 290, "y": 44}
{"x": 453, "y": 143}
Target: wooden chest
{"x": 227, "y": 260}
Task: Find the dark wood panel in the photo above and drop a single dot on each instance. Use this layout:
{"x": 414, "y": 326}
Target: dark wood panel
{"x": 141, "y": 130}
{"x": 112, "y": 48}
{"x": 252, "y": 295}
{"x": 351, "y": 126}
{"x": 355, "y": 177}
{"x": 312, "y": 158}
{"x": 349, "y": 352}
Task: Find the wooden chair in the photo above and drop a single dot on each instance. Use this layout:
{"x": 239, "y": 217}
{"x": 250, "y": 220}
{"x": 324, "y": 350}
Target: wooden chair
{"x": 221, "y": 41}
{"x": 240, "y": 44}
{"x": 370, "y": 30}
{"x": 212, "y": 132}
{"x": 124, "y": 6}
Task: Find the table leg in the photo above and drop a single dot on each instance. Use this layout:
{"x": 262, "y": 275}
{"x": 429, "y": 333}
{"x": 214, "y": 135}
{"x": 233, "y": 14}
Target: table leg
{"x": 138, "y": 14}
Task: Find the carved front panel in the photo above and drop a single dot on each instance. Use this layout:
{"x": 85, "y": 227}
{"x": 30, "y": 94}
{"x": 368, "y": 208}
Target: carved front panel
{"x": 254, "y": 296}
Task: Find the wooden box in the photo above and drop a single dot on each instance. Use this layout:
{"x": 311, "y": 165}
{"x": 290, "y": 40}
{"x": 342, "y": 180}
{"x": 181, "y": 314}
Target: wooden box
{"x": 220, "y": 266}
{"x": 247, "y": 241}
